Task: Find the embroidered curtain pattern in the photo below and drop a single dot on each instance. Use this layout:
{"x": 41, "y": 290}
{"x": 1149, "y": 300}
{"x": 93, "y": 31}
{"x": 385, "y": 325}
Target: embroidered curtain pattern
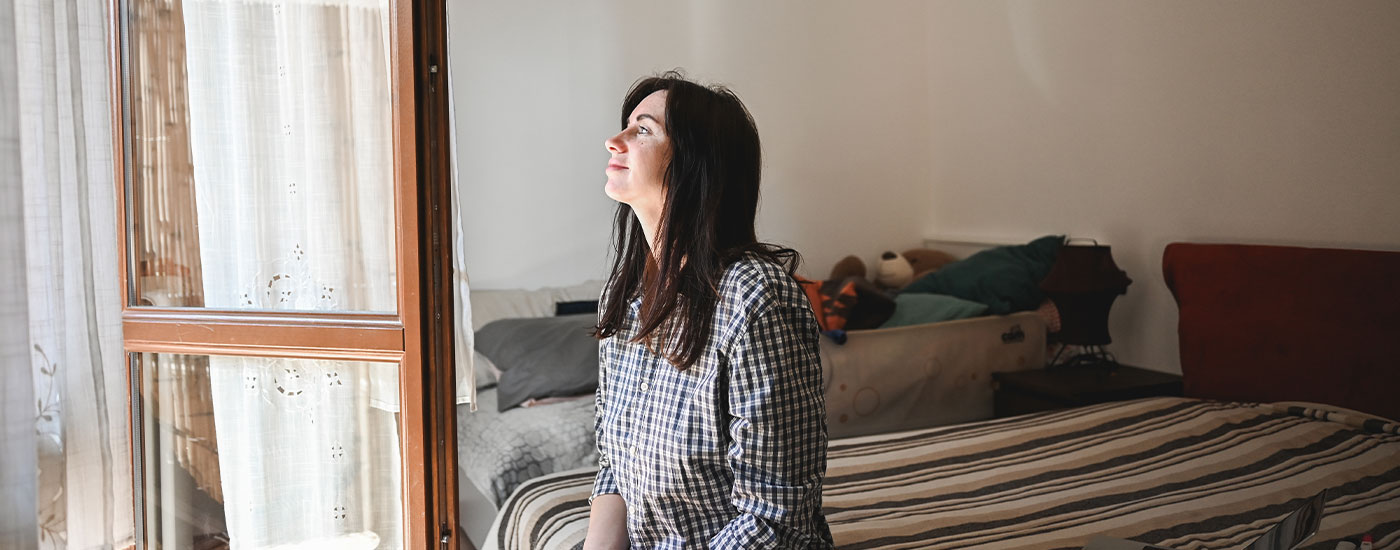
{"x": 290, "y": 137}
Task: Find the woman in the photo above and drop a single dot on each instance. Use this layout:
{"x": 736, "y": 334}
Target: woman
{"x": 710, "y": 420}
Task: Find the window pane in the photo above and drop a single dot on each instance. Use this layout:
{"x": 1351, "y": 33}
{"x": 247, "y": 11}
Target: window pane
{"x": 246, "y": 452}
{"x": 262, "y": 154}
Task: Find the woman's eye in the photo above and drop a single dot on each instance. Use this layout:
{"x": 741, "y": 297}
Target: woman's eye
{"x": 643, "y": 130}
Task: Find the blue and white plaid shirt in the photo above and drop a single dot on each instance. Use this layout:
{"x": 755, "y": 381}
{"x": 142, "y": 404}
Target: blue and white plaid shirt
{"x": 731, "y": 452}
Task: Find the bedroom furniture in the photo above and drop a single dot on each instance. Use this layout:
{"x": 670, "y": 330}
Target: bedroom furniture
{"x": 1177, "y": 471}
{"x": 1318, "y": 324}
{"x": 498, "y": 450}
{"x": 880, "y": 380}
{"x": 1047, "y": 389}
{"x": 903, "y": 378}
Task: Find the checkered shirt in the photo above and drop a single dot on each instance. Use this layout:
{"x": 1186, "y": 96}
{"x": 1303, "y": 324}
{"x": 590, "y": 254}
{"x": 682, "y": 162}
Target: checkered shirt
{"x": 731, "y": 452}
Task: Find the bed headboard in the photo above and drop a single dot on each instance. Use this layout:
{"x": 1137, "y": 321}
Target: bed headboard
{"x": 1278, "y": 323}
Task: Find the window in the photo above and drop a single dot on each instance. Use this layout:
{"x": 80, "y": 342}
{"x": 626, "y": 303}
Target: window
{"x": 289, "y": 354}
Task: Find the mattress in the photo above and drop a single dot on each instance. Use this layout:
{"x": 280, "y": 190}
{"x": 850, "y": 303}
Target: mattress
{"x": 1182, "y": 473}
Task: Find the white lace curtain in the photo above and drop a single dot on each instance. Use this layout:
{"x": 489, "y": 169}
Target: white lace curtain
{"x": 291, "y": 143}
{"x": 296, "y": 220}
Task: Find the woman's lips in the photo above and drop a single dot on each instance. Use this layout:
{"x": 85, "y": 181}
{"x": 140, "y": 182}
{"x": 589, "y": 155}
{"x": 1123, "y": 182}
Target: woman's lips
{"x": 615, "y": 166}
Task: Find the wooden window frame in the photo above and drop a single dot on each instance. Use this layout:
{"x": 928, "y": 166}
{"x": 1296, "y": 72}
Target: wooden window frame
{"x": 418, "y": 337}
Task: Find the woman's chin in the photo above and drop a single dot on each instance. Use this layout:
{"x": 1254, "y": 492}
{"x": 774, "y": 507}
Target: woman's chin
{"x": 614, "y": 191}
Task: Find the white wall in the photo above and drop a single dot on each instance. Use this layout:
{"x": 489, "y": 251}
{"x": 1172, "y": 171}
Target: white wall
{"x": 1138, "y": 123}
{"x": 838, "y": 90}
{"x": 1143, "y": 123}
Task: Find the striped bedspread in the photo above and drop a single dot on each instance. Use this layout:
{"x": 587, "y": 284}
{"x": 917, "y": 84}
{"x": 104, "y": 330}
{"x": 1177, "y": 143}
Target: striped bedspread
{"x": 1176, "y": 472}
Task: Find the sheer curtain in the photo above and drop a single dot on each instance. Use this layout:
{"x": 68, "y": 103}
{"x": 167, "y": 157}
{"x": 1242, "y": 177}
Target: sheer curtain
{"x": 294, "y": 166}
{"x": 64, "y": 459}
{"x": 290, "y": 137}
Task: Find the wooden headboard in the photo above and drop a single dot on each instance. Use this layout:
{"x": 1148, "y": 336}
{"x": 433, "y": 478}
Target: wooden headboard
{"x": 1278, "y": 323}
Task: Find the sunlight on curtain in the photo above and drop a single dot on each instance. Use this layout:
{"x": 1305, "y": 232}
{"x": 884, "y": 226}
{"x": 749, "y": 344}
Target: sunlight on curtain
{"x": 277, "y": 195}
{"x": 290, "y": 132}
{"x": 64, "y": 458}
{"x": 464, "y": 340}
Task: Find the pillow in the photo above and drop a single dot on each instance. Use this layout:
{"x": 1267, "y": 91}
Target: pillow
{"x": 493, "y": 305}
{"x": 487, "y": 375}
{"x": 917, "y": 309}
{"x": 852, "y": 303}
{"x": 1006, "y": 278}
{"x": 830, "y": 301}
{"x": 541, "y": 357}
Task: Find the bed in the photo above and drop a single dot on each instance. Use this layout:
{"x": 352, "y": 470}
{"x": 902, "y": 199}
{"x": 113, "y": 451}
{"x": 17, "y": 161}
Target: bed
{"x": 1173, "y": 471}
{"x": 877, "y": 381}
{"x": 1211, "y": 470}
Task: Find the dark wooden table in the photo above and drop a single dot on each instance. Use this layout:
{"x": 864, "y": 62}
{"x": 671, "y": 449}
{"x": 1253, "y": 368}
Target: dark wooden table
{"x": 1037, "y": 390}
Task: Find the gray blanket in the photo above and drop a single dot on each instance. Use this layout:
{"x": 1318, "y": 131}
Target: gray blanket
{"x": 498, "y": 451}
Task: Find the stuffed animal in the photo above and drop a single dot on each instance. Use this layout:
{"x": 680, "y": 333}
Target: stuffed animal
{"x": 850, "y": 266}
{"x": 894, "y": 271}
{"x": 890, "y": 273}
{"x": 846, "y": 300}
{"x": 926, "y": 260}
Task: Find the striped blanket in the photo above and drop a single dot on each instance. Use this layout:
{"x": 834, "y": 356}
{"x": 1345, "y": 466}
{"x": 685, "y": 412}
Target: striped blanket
{"x": 1177, "y": 472}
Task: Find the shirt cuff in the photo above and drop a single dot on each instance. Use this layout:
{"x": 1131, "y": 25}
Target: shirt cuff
{"x": 603, "y": 484}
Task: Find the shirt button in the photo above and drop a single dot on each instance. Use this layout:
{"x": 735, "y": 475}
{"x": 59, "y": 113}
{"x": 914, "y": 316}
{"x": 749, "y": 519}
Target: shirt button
{"x": 645, "y": 387}
{"x": 634, "y": 449}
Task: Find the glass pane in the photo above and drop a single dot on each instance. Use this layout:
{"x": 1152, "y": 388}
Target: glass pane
{"x": 261, "y": 154}
{"x": 245, "y": 452}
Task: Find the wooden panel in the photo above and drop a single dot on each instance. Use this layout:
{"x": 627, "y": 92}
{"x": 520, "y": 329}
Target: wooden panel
{"x": 435, "y": 261}
{"x": 416, "y": 458}
{"x": 267, "y": 334}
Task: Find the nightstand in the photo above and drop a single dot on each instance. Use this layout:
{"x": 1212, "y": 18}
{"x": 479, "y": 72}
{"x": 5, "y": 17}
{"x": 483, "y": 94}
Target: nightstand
{"x": 1058, "y": 388}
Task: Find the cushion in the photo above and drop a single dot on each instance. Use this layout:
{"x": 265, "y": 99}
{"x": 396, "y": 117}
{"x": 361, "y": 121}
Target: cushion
{"x": 486, "y": 373}
{"x": 849, "y": 304}
{"x": 489, "y": 305}
{"x": 1006, "y": 278}
{"x": 830, "y": 301}
{"x": 482, "y": 306}
{"x": 1282, "y": 323}
{"x": 917, "y": 309}
{"x": 541, "y": 357}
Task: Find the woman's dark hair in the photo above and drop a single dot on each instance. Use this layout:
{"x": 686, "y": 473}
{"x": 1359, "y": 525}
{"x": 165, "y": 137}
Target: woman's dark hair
{"x": 711, "y": 190}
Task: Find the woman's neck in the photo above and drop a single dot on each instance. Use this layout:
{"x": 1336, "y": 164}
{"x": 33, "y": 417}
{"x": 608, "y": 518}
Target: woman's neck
{"x": 651, "y": 228}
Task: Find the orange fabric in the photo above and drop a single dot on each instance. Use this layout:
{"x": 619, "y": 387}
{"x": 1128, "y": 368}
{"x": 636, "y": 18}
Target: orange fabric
{"x": 832, "y": 301}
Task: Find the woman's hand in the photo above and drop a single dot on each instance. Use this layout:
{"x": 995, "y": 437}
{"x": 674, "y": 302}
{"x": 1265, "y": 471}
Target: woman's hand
{"x": 607, "y": 524}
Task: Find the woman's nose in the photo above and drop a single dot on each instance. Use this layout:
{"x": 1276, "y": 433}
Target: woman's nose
{"x": 614, "y": 144}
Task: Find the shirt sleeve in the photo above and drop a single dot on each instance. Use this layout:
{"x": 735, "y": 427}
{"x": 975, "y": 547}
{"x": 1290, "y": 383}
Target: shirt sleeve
{"x": 777, "y": 428}
{"x": 604, "y": 483}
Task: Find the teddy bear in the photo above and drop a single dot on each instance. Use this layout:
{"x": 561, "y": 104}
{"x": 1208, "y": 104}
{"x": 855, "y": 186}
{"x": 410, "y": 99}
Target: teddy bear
{"x": 895, "y": 271}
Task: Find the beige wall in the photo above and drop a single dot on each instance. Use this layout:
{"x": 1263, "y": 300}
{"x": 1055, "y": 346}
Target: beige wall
{"x": 1138, "y": 123}
{"x": 1144, "y": 123}
{"x": 839, "y": 92}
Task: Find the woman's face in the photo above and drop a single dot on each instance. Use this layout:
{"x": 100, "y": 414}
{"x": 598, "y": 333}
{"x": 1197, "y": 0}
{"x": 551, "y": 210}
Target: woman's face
{"x": 640, "y": 155}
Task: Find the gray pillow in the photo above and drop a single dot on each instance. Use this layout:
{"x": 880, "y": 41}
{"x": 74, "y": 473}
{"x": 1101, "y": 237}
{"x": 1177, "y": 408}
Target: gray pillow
{"x": 541, "y": 357}
{"x": 486, "y": 372}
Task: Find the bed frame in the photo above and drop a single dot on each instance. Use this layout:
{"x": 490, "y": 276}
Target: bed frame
{"x": 1282, "y": 323}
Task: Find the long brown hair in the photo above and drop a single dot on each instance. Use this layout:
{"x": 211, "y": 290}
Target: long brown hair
{"x": 711, "y": 190}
